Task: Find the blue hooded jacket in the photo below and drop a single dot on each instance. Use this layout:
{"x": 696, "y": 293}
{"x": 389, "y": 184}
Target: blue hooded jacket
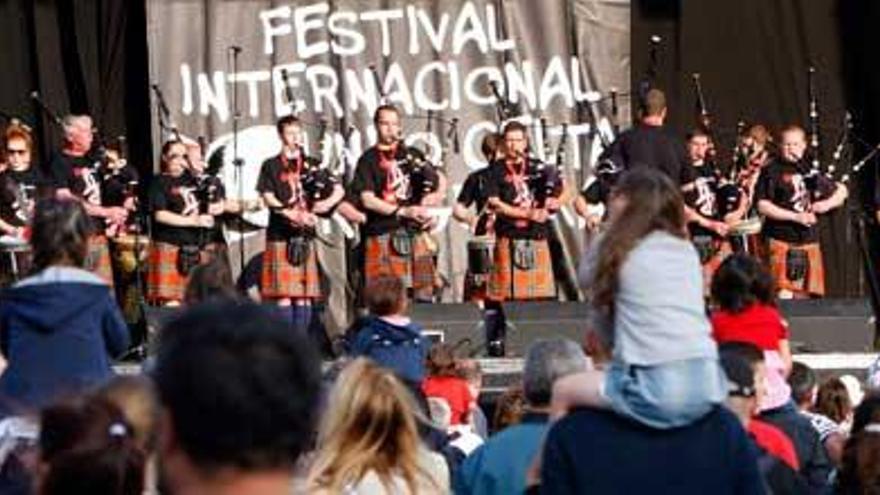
{"x": 400, "y": 348}
{"x": 59, "y": 330}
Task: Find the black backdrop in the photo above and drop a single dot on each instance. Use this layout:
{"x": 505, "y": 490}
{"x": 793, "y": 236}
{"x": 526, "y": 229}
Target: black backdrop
{"x": 90, "y": 56}
{"x": 83, "y": 56}
{"x": 752, "y": 56}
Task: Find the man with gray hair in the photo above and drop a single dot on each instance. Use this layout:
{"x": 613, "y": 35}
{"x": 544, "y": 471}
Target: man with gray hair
{"x": 74, "y": 172}
{"x": 500, "y": 465}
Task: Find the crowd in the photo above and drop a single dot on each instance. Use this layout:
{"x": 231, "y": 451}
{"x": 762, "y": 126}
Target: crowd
{"x": 662, "y": 396}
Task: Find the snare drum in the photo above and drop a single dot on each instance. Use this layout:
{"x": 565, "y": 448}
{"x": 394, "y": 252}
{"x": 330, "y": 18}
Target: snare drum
{"x": 480, "y": 255}
{"x": 15, "y": 259}
{"x": 746, "y": 236}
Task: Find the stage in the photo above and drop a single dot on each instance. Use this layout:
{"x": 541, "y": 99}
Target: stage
{"x": 833, "y": 336}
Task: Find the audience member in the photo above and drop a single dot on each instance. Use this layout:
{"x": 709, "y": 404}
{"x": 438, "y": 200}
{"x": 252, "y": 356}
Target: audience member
{"x": 61, "y": 327}
{"x": 443, "y": 381}
{"x": 646, "y": 285}
{"x": 804, "y": 388}
{"x": 135, "y": 397}
{"x": 833, "y": 402}
{"x": 388, "y": 336}
{"x": 860, "y": 472}
{"x": 368, "y": 441}
{"x": 746, "y": 312}
{"x": 777, "y": 460}
{"x": 209, "y": 281}
{"x": 239, "y": 392}
{"x": 87, "y": 446}
{"x": 509, "y": 408}
{"x": 470, "y": 370}
{"x": 500, "y": 465}
{"x": 598, "y": 452}
{"x": 867, "y": 412}
{"x": 815, "y": 464}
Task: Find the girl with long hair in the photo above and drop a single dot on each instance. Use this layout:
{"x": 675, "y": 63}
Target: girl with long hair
{"x": 369, "y": 442}
{"x": 646, "y": 289}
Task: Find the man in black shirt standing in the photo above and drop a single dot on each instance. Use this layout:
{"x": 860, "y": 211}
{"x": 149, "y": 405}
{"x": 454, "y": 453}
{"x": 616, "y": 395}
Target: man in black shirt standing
{"x": 474, "y": 192}
{"x": 291, "y": 276}
{"x": 395, "y": 184}
{"x": 712, "y": 207}
{"x": 790, "y": 196}
{"x": 523, "y": 194}
{"x": 75, "y": 173}
{"x": 648, "y": 144}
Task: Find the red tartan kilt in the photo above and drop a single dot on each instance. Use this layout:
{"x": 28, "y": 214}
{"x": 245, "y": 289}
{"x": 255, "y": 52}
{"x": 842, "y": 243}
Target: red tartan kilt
{"x": 280, "y": 279}
{"x": 165, "y": 283}
{"x": 98, "y": 258}
{"x": 508, "y": 282}
{"x": 416, "y": 270}
{"x": 813, "y": 284}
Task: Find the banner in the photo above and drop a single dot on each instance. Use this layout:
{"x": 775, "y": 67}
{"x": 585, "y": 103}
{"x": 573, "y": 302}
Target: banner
{"x": 554, "y": 61}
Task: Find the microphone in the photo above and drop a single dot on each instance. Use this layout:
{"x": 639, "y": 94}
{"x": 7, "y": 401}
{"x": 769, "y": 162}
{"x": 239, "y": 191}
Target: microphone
{"x": 235, "y": 49}
{"x": 655, "y": 39}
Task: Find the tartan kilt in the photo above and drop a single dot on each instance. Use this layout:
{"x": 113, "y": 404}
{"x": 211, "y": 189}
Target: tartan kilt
{"x": 416, "y": 270}
{"x": 281, "y": 279}
{"x": 164, "y": 281}
{"x": 508, "y": 282}
{"x": 98, "y": 258}
{"x": 813, "y": 284}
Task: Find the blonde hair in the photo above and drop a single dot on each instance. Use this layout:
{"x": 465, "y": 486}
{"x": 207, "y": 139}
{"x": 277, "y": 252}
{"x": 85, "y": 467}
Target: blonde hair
{"x": 136, "y": 397}
{"x": 370, "y": 426}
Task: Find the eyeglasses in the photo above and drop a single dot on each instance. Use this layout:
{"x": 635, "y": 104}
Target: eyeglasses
{"x": 11, "y": 151}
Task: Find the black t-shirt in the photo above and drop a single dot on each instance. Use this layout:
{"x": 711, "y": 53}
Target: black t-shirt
{"x": 292, "y": 189}
{"x": 474, "y": 192}
{"x": 176, "y": 195}
{"x": 18, "y": 189}
{"x": 519, "y": 191}
{"x": 651, "y": 146}
{"x": 403, "y": 181}
{"x": 702, "y": 198}
{"x": 789, "y": 185}
{"x": 80, "y": 175}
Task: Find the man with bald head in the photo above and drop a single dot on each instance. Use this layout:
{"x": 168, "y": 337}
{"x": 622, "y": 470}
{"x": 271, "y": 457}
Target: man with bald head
{"x": 791, "y": 196}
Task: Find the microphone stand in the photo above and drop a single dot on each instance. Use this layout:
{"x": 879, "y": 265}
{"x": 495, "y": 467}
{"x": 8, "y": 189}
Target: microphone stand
{"x": 237, "y": 162}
